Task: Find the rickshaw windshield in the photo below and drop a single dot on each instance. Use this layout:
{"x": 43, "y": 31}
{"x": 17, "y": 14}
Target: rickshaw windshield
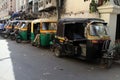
{"x": 14, "y": 23}
{"x": 98, "y": 29}
{"x": 49, "y": 26}
{"x": 18, "y": 24}
{"x": 23, "y": 25}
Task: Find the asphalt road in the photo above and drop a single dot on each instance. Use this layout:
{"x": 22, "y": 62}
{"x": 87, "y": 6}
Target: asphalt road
{"x": 25, "y": 62}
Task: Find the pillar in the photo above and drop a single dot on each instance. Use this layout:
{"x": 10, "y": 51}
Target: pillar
{"x": 109, "y": 12}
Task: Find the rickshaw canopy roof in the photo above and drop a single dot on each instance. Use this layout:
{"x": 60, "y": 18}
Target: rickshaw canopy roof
{"x": 60, "y": 29}
{"x": 21, "y": 21}
{"x": 79, "y": 20}
{"x": 44, "y": 20}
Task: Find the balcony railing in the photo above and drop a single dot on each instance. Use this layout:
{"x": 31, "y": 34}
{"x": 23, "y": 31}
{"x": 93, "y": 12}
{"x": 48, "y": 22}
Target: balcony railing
{"x": 116, "y": 2}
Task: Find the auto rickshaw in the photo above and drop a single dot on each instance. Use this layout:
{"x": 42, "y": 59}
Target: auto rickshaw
{"x": 9, "y": 28}
{"x": 86, "y": 38}
{"x": 24, "y": 32}
{"x": 43, "y": 32}
{"x": 15, "y": 30}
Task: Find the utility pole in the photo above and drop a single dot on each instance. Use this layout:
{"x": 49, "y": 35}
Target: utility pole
{"x": 58, "y": 9}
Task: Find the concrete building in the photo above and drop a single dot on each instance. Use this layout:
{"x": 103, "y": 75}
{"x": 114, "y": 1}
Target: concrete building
{"x": 7, "y": 7}
{"x": 21, "y": 5}
{"x": 35, "y": 6}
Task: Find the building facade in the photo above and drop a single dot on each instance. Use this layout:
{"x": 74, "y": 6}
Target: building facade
{"x": 21, "y": 5}
{"x": 7, "y": 7}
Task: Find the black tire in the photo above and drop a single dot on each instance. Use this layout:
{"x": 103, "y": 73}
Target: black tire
{"x": 18, "y": 40}
{"x": 12, "y": 37}
{"x": 58, "y": 52}
{"x": 109, "y": 63}
{"x": 33, "y": 43}
{"x": 52, "y": 48}
{"x": 5, "y": 36}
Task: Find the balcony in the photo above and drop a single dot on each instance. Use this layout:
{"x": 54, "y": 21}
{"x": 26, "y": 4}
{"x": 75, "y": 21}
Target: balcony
{"x": 46, "y": 4}
{"x": 50, "y": 4}
{"x": 41, "y": 5}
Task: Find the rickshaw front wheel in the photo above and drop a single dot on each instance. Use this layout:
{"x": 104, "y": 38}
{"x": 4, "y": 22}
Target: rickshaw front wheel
{"x": 18, "y": 40}
{"x": 108, "y": 63}
{"x": 58, "y": 52}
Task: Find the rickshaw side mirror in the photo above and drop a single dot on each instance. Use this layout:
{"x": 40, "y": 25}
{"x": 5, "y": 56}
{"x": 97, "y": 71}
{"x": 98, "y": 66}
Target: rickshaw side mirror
{"x": 105, "y": 24}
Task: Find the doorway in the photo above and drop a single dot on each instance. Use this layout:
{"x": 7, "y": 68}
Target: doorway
{"x": 118, "y": 27}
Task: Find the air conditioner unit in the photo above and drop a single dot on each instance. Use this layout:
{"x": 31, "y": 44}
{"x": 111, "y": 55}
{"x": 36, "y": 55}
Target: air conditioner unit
{"x": 50, "y": 3}
{"x": 41, "y": 5}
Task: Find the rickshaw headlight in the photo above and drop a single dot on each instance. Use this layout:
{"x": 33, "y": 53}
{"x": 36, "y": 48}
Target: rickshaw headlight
{"x": 94, "y": 41}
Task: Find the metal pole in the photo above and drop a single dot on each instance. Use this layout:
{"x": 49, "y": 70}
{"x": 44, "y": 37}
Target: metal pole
{"x": 58, "y": 9}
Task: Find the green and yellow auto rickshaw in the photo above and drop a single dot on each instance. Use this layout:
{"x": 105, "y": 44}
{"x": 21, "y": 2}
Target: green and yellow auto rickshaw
{"x": 15, "y": 30}
{"x": 84, "y": 38}
{"x": 43, "y": 32}
{"x": 24, "y": 31}
{"x": 9, "y": 28}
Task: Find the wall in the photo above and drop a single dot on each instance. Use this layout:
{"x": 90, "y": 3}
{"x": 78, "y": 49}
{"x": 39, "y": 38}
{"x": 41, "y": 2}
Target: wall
{"x": 78, "y": 9}
{"x": 7, "y": 7}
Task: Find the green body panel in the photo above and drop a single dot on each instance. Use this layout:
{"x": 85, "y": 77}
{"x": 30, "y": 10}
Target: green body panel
{"x": 23, "y": 35}
{"x": 45, "y": 39}
{"x": 32, "y": 37}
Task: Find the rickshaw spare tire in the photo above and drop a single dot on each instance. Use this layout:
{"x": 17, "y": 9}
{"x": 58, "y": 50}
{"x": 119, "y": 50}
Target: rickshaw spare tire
{"x": 18, "y": 40}
{"x": 58, "y": 51}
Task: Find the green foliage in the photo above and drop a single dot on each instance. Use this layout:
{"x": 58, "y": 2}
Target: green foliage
{"x": 93, "y": 6}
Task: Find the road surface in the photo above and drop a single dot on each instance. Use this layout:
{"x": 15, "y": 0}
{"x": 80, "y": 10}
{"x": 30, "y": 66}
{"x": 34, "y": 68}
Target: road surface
{"x": 25, "y": 62}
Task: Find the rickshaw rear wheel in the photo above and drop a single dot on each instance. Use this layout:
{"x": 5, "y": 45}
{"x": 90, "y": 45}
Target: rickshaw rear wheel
{"x": 58, "y": 52}
{"x": 18, "y": 40}
{"x": 6, "y": 36}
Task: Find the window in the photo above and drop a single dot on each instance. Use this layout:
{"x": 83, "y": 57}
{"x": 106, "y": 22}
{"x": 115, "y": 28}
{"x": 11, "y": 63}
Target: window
{"x": 49, "y": 26}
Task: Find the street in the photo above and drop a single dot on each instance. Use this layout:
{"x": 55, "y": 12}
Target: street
{"x": 25, "y": 62}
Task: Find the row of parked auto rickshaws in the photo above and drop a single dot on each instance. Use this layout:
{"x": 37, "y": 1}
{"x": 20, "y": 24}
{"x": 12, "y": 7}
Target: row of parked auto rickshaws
{"x": 85, "y": 38}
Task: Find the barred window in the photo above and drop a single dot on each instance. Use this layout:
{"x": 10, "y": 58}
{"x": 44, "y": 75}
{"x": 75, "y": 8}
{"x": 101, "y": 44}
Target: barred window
{"x": 117, "y": 2}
